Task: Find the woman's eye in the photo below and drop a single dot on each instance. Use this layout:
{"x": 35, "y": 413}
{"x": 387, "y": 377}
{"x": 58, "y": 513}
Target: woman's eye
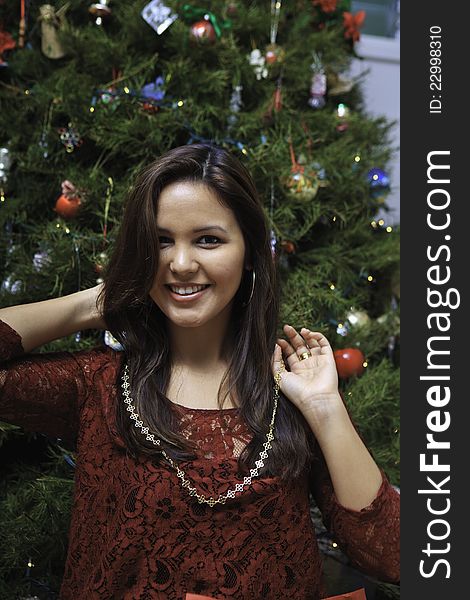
{"x": 210, "y": 239}
{"x": 206, "y": 240}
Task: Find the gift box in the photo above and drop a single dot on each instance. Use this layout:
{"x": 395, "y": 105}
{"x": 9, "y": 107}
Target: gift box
{"x": 356, "y": 595}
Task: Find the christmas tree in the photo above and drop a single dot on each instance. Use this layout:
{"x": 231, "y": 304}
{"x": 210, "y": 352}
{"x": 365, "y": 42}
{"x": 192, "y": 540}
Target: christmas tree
{"x": 89, "y": 96}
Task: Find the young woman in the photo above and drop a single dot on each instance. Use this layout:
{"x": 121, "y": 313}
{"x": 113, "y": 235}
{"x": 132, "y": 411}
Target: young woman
{"x": 197, "y": 445}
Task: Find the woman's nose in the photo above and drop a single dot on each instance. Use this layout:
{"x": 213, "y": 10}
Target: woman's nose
{"x": 182, "y": 260}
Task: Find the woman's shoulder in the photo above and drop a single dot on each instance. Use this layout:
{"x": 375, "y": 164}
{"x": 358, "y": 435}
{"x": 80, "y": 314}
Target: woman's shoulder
{"x": 98, "y": 355}
{"x": 97, "y": 360}
{"x": 101, "y": 356}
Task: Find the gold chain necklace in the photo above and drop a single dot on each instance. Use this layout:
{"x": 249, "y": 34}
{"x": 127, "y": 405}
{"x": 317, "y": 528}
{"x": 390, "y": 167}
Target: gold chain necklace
{"x": 186, "y": 483}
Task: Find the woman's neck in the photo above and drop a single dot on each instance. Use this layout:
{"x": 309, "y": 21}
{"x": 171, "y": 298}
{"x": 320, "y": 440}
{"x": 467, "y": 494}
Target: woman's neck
{"x": 200, "y": 359}
{"x": 201, "y": 349}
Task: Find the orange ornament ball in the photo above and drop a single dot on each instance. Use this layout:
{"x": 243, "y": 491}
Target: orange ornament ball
{"x": 202, "y": 32}
{"x": 288, "y": 246}
{"x": 274, "y": 54}
{"x": 67, "y": 207}
{"x": 349, "y": 362}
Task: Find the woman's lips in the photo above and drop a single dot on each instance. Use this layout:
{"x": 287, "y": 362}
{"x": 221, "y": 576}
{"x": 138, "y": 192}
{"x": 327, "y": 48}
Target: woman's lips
{"x": 186, "y": 298}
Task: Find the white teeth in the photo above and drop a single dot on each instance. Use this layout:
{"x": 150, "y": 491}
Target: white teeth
{"x": 183, "y": 291}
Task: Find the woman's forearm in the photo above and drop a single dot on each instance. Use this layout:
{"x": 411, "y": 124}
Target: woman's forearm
{"x": 41, "y": 322}
{"x": 355, "y": 476}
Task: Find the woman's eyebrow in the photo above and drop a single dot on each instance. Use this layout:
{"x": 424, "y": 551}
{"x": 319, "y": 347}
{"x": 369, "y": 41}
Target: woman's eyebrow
{"x": 198, "y": 230}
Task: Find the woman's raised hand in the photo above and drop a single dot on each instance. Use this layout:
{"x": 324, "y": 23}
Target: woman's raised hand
{"x": 39, "y": 323}
{"x": 310, "y": 383}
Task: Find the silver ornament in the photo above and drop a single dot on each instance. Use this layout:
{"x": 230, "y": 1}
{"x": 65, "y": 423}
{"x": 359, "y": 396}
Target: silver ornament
{"x": 111, "y": 341}
{"x": 5, "y": 162}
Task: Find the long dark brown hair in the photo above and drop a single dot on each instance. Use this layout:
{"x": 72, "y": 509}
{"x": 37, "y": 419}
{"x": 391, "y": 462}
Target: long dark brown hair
{"x": 140, "y": 326}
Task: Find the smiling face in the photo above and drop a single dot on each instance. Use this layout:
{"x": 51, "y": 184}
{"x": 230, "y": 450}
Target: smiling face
{"x": 201, "y": 244}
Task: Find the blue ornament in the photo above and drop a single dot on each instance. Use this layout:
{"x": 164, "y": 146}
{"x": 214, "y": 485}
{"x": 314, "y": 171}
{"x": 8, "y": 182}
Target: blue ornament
{"x": 379, "y": 183}
{"x": 378, "y": 178}
{"x": 154, "y": 91}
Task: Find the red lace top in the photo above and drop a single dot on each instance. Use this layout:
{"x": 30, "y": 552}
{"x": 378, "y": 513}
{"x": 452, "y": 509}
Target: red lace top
{"x": 136, "y": 534}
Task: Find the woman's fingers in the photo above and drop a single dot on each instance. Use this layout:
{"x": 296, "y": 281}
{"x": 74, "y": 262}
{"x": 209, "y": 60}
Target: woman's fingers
{"x": 287, "y": 352}
{"x": 296, "y": 340}
{"x": 293, "y": 348}
{"x": 313, "y": 342}
{"x": 315, "y": 338}
{"x": 278, "y": 361}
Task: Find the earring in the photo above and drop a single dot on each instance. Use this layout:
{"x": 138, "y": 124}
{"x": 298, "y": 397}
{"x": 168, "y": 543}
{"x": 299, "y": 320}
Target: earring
{"x": 252, "y": 289}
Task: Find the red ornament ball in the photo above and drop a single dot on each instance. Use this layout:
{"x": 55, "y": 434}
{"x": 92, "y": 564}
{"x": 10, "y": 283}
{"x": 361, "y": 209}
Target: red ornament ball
{"x": 349, "y": 361}
{"x": 202, "y": 32}
{"x": 67, "y": 207}
{"x": 274, "y": 54}
{"x": 288, "y": 246}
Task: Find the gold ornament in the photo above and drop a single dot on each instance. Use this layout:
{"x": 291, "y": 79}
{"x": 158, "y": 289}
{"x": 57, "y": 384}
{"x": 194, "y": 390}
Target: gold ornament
{"x": 337, "y": 85}
{"x": 52, "y": 23}
{"x": 100, "y": 262}
{"x": 357, "y": 318}
{"x": 303, "y": 183}
{"x": 302, "y": 186}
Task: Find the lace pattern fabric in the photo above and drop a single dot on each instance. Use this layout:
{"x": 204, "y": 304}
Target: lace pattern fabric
{"x": 223, "y": 429}
{"x": 135, "y": 533}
